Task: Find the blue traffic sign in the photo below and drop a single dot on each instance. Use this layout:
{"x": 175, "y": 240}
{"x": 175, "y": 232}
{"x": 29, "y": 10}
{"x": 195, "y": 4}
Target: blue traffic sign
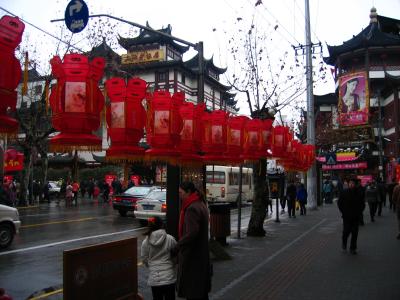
{"x": 76, "y": 15}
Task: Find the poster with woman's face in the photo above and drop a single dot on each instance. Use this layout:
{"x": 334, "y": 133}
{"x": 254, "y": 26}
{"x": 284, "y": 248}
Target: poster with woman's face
{"x": 161, "y": 122}
{"x": 75, "y": 96}
{"x": 353, "y": 103}
{"x": 216, "y": 133}
{"x": 187, "y": 130}
{"x": 117, "y": 115}
{"x": 235, "y": 137}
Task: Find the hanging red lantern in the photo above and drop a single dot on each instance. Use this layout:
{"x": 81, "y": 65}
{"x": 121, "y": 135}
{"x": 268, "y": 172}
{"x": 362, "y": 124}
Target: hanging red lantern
{"x": 13, "y": 160}
{"x": 252, "y": 144}
{"x": 164, "y": 126}
{"x": 190, "y": 137}
{"x": 126, "y": 118}
{"x": 11, "y": 30}
{"x": 214, "y": 137}
{"x": 76, "y": 102}
{"x": 266, "y": 137}
{"x": 279, "y": 141}
{"x": 235, "y": 139}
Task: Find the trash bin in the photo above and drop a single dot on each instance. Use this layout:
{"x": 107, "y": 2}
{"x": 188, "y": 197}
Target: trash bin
{"x": 220, "y": 221}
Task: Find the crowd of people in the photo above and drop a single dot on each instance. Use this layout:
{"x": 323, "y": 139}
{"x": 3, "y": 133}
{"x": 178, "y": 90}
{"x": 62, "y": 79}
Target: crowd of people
{"x": 352, "y": 200}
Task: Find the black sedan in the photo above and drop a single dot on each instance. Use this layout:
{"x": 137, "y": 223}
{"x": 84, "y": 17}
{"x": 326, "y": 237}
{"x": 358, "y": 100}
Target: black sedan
{"x": 127, "y": 201}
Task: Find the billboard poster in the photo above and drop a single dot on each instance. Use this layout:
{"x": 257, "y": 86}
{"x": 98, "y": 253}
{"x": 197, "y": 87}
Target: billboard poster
{"x": 75, "y": 97}
{"x": 353, "y": 99}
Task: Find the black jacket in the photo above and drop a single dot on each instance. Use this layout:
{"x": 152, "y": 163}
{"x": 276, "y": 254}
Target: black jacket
{"x": 351, "y": 204}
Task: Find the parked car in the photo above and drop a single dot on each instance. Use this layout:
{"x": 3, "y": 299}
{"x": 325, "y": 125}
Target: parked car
{"x": 127, "y": 200}
{"x": 9, "y": 225}
{"x": 153, "y": 205}
{"x": 54, "y": 189}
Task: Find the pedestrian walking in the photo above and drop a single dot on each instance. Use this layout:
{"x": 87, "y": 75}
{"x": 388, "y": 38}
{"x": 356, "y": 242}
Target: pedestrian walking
{"x": 382, "y": 195}
{"x": 96, "y": 192}
{"x": 390, "y": 188}
{"x": 351, "y": 206}
{"x": 302, "y": 198}
{"x": 291, "y": 199}
{"x": 90, "y": 188}
{"x": 396, "y": 202}
{"x": 46, "y": 189}
{"x": 156, "y": 255}
{"x": 361, "y": 194}
{"x": 372, "y": 197}
{"x": 68, "y": 194}
{"x": 106, "y": 191}
{"x": 75, "y": 190}
{"x": 327, "y": 190}
{"x": 194, "y": 268}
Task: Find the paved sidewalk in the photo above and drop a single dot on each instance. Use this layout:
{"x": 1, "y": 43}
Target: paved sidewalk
{"x": 301, "y": 259}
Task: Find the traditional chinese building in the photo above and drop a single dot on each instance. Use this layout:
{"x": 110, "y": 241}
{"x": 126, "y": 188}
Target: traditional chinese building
{"x": 359, "y": 123}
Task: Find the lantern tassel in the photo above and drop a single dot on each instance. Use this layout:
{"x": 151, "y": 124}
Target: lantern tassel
{"x": 25, "y": 84}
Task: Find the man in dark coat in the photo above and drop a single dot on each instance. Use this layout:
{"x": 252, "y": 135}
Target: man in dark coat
{"x": 291, "y": 192}
{"x": 194, "y": 268}
{"x": 351, "y": 206}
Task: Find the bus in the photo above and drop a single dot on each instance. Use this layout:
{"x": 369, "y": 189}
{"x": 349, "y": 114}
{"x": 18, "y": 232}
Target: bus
{"x": 222, "y": 184}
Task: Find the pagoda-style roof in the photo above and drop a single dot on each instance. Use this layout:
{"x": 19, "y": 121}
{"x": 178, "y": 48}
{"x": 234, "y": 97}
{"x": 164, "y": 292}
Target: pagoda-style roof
{"x": 327, "y": 99}
{"x": 381, "y": 32}
{"x": 193, "y": 64}
{"x": 148, "y": 37}
{"x": 103, "y": 50}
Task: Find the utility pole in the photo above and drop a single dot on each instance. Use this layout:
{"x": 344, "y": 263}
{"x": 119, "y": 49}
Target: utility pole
{"x": 380, "y": 137}
{"x": 311, "y": 173}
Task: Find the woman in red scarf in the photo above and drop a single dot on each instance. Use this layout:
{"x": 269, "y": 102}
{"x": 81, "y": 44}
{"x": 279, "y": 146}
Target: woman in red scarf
{"x": 194, "y": 271}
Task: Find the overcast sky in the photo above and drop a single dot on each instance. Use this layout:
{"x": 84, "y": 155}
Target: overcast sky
{"x": 212, "y": 21}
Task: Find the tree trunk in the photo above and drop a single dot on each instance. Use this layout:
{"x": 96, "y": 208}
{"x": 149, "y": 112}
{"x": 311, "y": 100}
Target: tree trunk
{"x": 45, "y": 166}
{"x": 259, "y": 207}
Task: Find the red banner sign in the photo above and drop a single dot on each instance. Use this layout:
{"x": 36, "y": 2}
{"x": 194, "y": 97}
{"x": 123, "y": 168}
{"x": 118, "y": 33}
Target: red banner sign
{"x": 13, "y": 161}
{"x": 359, "y": 165}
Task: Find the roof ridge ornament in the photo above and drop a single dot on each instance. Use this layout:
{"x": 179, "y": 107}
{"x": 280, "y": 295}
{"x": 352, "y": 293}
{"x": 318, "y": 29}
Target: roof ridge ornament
{"x": 373, "y": 16}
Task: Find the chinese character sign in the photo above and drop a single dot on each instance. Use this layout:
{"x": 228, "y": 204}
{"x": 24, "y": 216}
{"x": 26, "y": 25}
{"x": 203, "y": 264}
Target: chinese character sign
{"x": 353, "y": 99}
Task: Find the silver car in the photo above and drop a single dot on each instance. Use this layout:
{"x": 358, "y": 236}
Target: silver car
{"x": 153, "y": 205}
{"x": 9, "y": 225}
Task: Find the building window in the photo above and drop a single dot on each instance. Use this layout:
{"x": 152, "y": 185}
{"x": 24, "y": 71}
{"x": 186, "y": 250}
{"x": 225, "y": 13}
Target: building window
{"x": 162, "y": 77}
{"x": 38, "y": 90}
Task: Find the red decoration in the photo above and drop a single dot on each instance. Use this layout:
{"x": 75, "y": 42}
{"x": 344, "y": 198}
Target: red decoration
{"x": 252, "y": 145}
{"x": 235, "y": 139}
{"x": 76, "y": 102}
{"x": 164, "y": 126}
{"x": 13, "y": 160}
{"x": 279, "y": 141}
{"x": 11, "y": 29}
{"x": 214, "y": 142}
{"x": 266, "y": 137}
{"x": 126, "y": 118}
{"x": 190, "y": 137}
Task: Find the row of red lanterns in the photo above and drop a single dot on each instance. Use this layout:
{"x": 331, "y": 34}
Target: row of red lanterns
{"x": 183, "y": 133}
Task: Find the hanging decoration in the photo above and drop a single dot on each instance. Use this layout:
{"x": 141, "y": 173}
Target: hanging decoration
{"x": 266, "y": 137}
{"x": 252, "y": 144}
{"x": 126, "y": 118}
{"x": 214, "y": 137}
{"x": 235, "y": 139}
{"x": 279, "y": 141}
{"x": 11, "y": 30}
{"x": 76, "y": 102}
{"x": 13, "y": 160}
{"x": 190, "y": 136}
{"x": 164, "y": 125}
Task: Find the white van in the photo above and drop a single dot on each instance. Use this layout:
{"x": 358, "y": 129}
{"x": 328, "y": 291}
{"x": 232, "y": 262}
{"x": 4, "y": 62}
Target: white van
{"x": 9, "y": 225}
{"x": 222, "y": 184}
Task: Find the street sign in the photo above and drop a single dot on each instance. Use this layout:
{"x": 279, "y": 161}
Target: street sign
{"x": 331, "y": 159}
{"x": 76, "y": 15}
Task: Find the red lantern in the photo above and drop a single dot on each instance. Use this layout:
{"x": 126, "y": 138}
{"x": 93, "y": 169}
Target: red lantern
{"x": 253, "y": 139}
{"x": 164, "y": 125}
{"x": 266, "y": 137}
{"x": 235, "y": 139}
{"x": 126, "y": 118}
{"x": 13, "y": 160}
{"x": 190, "y": 140}
{"x": 76, "y": 102}
{"x": 214, "y": 137}
{"x": 279, "y": 141}
{"x": 11, "y": 29}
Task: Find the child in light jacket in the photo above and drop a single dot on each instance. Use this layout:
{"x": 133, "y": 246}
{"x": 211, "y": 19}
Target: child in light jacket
{"x": 156, "y": 255}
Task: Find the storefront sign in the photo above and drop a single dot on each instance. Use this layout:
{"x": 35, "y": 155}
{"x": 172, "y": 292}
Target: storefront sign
{"x": 353, "y": 99}
{"x": 139, "y": 57}
{"x": 13, "y": 161}
{"x": 359, "y": 165}
{"x": 103, "y": 271}
{"x": 365, "y": 179}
